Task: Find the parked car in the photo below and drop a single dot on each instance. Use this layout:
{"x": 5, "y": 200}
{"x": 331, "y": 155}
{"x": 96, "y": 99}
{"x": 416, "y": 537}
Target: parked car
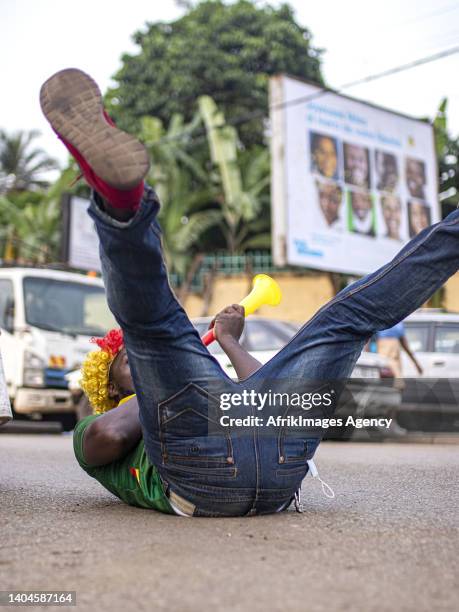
{"x": 430, "y": 402}
{"x": 369, "y": 393}
{"x": 433, "y": 335}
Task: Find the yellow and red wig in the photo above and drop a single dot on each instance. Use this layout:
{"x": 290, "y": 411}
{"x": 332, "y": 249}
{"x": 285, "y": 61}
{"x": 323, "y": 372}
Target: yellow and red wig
{"x": 95, "y": 370}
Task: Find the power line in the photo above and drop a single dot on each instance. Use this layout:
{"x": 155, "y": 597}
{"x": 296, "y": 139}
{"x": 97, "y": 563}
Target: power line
{"x": 323, "y": 91}
{"x": 419, "y": 62}
{"x": 437, "y": 13}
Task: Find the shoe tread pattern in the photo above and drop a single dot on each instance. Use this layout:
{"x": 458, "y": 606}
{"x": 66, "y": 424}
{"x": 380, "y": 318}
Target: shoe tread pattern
{"x": 72, "y": 103}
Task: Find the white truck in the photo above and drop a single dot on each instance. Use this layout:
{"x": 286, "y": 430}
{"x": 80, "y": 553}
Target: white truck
{"x": 5, "y": 407}
{"x": 47, "y": 318}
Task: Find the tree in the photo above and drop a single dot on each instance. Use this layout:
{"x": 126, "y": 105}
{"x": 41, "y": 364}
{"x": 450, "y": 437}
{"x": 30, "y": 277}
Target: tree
{"x": 32, "y": 233}
{"x": 21, "y": 167}
{"x": 226, "y": 51}
{"x": 31, "y": 222}
{"x": 448, "y": 161}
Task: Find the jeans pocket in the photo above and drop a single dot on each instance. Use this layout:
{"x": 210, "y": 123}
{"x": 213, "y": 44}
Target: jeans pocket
{"x": 291, "y": 477}
{"x": 192, "y": 440}
{"x": 294, "y": 448}
{"x": 207, "y": 474}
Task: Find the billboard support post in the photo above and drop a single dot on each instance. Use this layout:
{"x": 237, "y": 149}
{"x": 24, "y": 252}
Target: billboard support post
{"x": 278, "y": 216}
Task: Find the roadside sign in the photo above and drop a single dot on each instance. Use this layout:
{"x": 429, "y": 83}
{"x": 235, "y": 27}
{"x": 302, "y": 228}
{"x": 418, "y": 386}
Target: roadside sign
{"x": 351, "y": 182}
{"x": 80, "y": 242}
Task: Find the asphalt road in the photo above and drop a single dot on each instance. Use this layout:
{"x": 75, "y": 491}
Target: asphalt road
{"x": 389, "y": 540}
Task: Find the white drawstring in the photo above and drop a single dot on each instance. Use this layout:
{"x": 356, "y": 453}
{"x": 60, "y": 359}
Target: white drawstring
{"x": 326, "y": 488}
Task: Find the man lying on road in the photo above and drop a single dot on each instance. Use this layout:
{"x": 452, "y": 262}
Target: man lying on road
{"x": 108, "y": 445}
{"x": 207, "y": 470}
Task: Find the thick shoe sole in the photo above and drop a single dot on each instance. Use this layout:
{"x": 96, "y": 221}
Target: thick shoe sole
{"x": 72, "y": 103}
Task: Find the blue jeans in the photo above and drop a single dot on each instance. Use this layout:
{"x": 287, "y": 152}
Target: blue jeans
{"x": 232, "y": 472}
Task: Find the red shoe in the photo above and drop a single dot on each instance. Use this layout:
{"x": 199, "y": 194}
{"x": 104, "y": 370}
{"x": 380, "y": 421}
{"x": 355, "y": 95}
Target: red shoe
{"x": 112, "y": 162}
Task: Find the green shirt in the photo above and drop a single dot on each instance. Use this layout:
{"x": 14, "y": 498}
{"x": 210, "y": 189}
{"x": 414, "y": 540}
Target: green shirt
{"x": 133, "y": 478}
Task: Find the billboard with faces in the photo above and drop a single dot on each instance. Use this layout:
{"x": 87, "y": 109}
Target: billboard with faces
{"x": 351, "y": 182}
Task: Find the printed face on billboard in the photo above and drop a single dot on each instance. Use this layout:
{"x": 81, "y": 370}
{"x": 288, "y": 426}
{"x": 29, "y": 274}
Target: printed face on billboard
{"x": 361, "y": 213}
{"x": 356, "y": 165}
{"x": 418, "y": 217}
{"x": 330, "y": 196}
{"x": 324, "y": 155}
{"x": 387, "y": 173}
{"x": 416, "y": 177}
{"x": 391, "y": 209}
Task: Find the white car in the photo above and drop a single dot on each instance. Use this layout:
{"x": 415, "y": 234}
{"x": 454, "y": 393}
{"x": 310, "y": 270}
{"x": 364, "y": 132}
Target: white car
{"x": 430, "y": 402}
{"x": 433, "y": 334}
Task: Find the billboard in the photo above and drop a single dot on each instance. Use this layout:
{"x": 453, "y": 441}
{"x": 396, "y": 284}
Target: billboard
{"x": 351, "y": 182}
{"x": 80, "y": 242}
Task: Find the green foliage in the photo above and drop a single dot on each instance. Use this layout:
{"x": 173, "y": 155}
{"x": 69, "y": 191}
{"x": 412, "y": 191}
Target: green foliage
{"x": 228, "y": 51}
{"x": 22, "y": 167}
{"x": 30, "y": 222}
{"x": 448, "y": 160}
{"x": 32, "y": 231}
{"x": 441, "y": 128}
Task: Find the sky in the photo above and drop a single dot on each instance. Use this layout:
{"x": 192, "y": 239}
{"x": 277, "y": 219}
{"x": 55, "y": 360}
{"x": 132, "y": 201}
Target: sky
{"x": 360, "y": 38}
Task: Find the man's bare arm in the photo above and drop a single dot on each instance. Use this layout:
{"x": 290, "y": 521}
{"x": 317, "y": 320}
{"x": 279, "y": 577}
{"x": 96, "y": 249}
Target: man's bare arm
{"x": 242, "y": 361}
{"x": 112, "y": 435}
{"x": 228, "y": 326}
{"x": 409, "y": 352}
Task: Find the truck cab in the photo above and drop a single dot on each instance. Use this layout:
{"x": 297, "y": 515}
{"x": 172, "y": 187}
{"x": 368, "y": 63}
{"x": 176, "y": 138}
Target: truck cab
{"x": 47, "y": 318}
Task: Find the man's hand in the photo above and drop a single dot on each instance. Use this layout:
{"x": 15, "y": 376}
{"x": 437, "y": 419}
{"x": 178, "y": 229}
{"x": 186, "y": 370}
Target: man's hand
{"x": 228, "y": 324}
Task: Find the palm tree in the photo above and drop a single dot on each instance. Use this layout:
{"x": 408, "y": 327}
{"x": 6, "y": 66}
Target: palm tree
{"x": 21, "y": 166}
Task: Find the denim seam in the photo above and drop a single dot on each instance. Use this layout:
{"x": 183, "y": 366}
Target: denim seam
{"x": 204, "y": 473}
{"x": 292, "y": 471}
{"x": 193, "y": 410}
{"x": 215, "y": 460}
{"x": 295, "y": 458}
{"x": 257, "y": 466}
{"x": 218, "y": 498}
{"x": 190, "y": 384}
{"x": 247, "y": 492}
